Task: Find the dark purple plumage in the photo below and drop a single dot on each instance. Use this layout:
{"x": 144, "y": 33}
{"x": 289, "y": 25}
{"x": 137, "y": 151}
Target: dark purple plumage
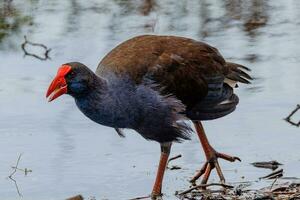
{"x": 118, "y": 102}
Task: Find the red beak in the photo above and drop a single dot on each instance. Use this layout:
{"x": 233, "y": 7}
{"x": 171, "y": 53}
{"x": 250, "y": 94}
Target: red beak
{"x": 58, "y": 86}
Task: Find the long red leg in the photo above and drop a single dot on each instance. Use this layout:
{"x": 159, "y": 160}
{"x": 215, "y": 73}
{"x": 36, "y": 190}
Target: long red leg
{"x": 211, "y": 157}
{"x": 165, "y": 151}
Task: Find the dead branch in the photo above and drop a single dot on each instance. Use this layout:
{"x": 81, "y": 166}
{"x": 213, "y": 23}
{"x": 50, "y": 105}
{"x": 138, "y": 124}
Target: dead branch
{"x": 174, "y": 158}
{"x": 274, "y": 183}
{"x": 13, "y": 172}
{"x": 205, "y": 185}
{"x": 174, "y": 167}
{"x": 288, "y": 118}
{"x": 273, "y": 175}
{"x": 269, "y": 165}
{"x": 15, "y": 167}
{"x": 26, "y": 53}
{"x": 16, "y": 185}
{"x": 138, "y": 198}
{"x": 283, "y": 191}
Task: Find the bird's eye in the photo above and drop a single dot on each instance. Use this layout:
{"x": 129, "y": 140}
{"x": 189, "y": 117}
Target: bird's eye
{"x": 72, "y": 74}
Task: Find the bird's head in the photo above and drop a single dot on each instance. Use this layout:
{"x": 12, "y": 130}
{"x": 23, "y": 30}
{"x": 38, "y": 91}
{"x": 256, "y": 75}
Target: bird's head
{"x": 73, "y": 78}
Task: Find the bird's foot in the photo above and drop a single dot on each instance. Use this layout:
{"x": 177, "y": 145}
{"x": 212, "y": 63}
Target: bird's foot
{"x": 156, "y": 196}
{"x": 210, "y": 164}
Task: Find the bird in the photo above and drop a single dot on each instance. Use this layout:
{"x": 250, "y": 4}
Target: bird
{"x": 155, "y": 84}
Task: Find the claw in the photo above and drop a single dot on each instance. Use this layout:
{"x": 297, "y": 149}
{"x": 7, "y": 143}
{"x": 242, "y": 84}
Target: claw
{"x": 199, "y": 174}
{"x": 237, "y": 158}
{"x": 228, "y": 157}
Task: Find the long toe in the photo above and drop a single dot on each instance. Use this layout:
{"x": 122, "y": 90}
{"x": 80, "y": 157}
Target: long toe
{"x": 200, "y": 173}
{"x": 228, "y": 157}
{"x": 210, "y": 165}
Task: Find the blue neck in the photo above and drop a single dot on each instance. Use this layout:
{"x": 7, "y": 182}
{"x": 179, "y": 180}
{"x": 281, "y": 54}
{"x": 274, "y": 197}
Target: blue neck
{"x": 120, "y": 103}
{"x": 109, "y": 104}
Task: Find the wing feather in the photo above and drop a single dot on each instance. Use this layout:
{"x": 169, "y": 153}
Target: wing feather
{"x": 188, "y": 69}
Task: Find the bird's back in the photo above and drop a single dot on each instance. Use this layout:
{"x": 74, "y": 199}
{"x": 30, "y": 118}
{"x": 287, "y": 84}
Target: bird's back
{"x": 193, "y": 71}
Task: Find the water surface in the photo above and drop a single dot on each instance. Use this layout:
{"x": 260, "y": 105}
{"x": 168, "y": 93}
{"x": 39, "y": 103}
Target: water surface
{"x": 71, "y": 155}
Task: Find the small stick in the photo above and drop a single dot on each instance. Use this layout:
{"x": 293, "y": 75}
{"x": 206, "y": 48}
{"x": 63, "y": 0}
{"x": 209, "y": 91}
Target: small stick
{"x": 270, "y": 165}
{"x": 205, "y": 185}
{"x": 14, "y": 171}
{"x": 15, "y": 167}
{"x": 174, "y": 158}
{"x": 138, "y": 198}
{"x": 283, "y": 193}
{"x": 26, "y": 53}
{"x": 274, "y": 183}
{"x": 272, "y": 175}
{"x": 16, "y": 185}
{"x": 288, "y": 118}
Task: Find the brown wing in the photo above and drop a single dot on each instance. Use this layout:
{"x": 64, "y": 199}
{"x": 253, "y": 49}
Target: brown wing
{"x": 184, "y": 67}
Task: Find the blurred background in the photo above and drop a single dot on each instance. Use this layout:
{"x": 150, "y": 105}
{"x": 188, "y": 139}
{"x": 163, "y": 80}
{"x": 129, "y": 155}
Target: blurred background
{"x": 68, "y": 154}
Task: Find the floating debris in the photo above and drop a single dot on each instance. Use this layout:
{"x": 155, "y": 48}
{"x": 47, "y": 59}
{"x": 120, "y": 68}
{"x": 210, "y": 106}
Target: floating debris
{"x": 288, "y": 118}
{"x": 269, "y": 165}
{"x": 26, "y": 53}
{"x": 174, "y": 167}
{"x": 174, "y": 158}
{"x": 77, "y": 197}
{"x": 203, "y": 186}
{"x": 284, "y": 191}
{"x": 139, "y": 198}
{"x": 15, "y": 169}
{"x": 273, "y": 175}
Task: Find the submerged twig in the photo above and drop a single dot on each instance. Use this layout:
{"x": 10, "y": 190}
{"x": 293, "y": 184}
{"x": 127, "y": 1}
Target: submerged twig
{"x": 174, "y": 158}
{"x": 13, "y": 172}
{"x": 288, "y": 118}
{"x": 205, "y": 185}
{"x": 16, "y": 185}
{"x": 15, "y": 169}
{"x": 174, "y": 167}
{"x": 270, "y": 164}
{"x": 274, "y": 183}
{"x": 138, "y": 198}
{"x": 26, "y": 53}
{"x": 276, "y": 174}
{"x": 287, "y": 190}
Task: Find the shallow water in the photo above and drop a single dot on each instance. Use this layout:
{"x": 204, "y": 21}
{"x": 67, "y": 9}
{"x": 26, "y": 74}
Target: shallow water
{"x": 70, "y": 155}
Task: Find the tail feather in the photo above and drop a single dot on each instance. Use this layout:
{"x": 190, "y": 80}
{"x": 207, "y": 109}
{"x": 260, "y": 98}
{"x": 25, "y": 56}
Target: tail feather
{"x": 220, "y": 99}
{"x": 213, "y": 108}
{"x": 237, "y": 73}
{"x": 237, "y": 77}
{"x": 243, "y": 74}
